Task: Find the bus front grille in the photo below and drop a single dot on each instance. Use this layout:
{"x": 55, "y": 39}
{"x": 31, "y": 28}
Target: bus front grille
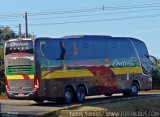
{"x": 20, "y": 69}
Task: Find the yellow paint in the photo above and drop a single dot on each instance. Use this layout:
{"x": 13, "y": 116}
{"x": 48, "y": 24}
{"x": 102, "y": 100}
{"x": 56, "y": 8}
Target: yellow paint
{"x": 67, "y": 74}
{"x": 126, "y": 70}
{"x": 78, "y": 73}
{"x": 87, "y": 73}
{"x": 18, "y": 77}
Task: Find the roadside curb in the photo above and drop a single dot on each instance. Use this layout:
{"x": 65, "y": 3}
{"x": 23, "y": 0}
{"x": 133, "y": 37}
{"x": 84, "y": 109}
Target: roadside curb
{"x": 151, "y": 91}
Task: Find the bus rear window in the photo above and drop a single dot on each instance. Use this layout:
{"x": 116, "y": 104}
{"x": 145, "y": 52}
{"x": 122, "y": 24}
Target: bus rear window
{"x": 25, "y": 46}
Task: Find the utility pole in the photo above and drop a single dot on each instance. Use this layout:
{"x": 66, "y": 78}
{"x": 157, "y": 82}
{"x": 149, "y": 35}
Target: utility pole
{"x": 19, "y": 30}
{"x": 26, "y": 25}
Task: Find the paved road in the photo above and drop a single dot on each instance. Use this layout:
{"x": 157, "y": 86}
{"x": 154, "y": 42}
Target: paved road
{"x": 27, "y": 108}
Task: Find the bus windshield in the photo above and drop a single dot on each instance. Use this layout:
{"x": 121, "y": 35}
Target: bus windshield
{"x": 23, "y": 46}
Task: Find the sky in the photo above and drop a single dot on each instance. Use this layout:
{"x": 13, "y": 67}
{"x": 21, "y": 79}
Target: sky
{"x": 57, "y": 18}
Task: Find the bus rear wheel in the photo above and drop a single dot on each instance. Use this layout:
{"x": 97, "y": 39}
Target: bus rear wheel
{"x": 108, "y": 94}
{"x": 80, "y": 93}
{"x": 68, "y": 95}
{"x": 38, "y": 100}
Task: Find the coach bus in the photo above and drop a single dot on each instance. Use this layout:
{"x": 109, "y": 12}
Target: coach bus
{"x": 73, "y": 67}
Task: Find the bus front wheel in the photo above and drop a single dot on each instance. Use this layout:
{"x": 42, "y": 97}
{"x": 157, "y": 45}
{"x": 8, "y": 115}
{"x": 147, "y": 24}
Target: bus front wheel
{"x": 134, "y": 89}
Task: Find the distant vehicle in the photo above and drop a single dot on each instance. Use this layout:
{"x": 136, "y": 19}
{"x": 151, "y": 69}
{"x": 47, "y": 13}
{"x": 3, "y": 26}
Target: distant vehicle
{"x": 71, "y": 68}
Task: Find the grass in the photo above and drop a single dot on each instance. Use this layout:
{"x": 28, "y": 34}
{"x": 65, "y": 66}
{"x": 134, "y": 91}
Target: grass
{"x": 140, "y": 105}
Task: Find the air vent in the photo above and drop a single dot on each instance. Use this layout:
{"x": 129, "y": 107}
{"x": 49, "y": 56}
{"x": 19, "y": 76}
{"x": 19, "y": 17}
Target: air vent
{"x": 20, "y": 69}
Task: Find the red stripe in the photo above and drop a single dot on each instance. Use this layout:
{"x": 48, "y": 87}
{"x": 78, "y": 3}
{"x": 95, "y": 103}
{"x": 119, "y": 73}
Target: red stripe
{"x": 19, "y": 53}
{"x": 25, "y": 76}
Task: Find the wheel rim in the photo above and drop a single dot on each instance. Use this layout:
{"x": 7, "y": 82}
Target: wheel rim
{"x": 68, "y": 96}
{"x": 134, "y": 89}
{"x": 81, "y": 95}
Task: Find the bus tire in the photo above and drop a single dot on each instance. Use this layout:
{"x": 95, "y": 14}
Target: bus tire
{"x": 126, "y": 93}
{"x": 39, "y": 100}
{"x": 134, "y": 89}
{"x": 80, "y": 94}
{"x": 108, "y": 94}
{"x": 68, "y": 95}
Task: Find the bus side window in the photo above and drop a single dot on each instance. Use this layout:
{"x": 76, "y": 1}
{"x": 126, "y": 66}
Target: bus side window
{"x": 100, "y": 49}
{"x": 114, "y": 50}
{"x": 72, "y": 50}
{"x": 83, "y": 50}
{"x": 50, "y": 50}
{"x": 62, "y": 51}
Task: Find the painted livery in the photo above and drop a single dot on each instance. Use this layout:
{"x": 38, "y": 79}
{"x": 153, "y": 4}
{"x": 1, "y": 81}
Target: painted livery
{"x": 76, "y": 66}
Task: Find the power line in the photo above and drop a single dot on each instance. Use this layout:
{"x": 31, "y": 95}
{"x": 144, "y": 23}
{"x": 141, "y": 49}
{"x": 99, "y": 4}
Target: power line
{"x": 135, "y": 7}
{"x": 12, "y": 20}
{"x": 91, "y": 15}
{"x": 98, "y": 20}
{"x": 96, "y": 9}
{"x": 98, "y": 14}
{"x": 85, "y": 10}
{"x": 11, "y": 16}
{"x": 66, "y": 12}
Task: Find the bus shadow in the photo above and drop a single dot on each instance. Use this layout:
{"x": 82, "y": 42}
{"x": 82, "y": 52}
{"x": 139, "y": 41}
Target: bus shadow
{"x": 89, "y": 100}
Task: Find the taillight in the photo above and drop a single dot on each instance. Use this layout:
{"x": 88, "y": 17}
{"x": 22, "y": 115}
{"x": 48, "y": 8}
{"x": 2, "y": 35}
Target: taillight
{"x": 7, "y": 85}
{"x": 36, "y": 83}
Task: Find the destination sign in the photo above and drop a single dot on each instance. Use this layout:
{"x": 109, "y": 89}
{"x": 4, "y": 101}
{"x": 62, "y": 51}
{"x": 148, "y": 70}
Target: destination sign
{"x": 20, "y": 44}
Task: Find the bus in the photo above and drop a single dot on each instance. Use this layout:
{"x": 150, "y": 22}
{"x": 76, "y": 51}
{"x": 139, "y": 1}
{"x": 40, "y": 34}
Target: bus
{"x": 73, "y": 67}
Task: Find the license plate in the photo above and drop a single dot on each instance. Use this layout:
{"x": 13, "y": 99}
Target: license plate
{"x": 20, "y": 94}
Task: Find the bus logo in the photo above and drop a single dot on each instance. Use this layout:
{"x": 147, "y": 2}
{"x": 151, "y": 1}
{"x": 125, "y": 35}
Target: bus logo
{"x": 14, "y": 44}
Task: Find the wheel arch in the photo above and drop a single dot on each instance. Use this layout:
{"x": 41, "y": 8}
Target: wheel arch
{"x": 85, "y": 87}
{"x": 137, "y": 82}
{"x": 71, "y": 86}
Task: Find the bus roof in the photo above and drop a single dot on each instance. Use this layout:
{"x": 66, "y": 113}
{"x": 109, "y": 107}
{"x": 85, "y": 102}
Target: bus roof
{"x": 18, "y": 39}
{"x": 90, "y": 37}
{"x": 79, "y": 37}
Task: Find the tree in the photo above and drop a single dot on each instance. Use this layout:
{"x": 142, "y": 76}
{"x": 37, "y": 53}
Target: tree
{"x": 156, "y": 76}
{"x": 6, "y": 33}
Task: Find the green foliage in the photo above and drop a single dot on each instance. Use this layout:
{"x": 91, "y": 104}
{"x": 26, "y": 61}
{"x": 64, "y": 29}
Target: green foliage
{"x": 6, "y": 33}
{"x": 2, "y": 86}
{"x": 156, "y": 76}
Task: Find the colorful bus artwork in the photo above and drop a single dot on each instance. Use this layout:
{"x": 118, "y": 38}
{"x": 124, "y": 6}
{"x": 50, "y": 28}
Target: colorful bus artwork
{"x": 73, "y": 67}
